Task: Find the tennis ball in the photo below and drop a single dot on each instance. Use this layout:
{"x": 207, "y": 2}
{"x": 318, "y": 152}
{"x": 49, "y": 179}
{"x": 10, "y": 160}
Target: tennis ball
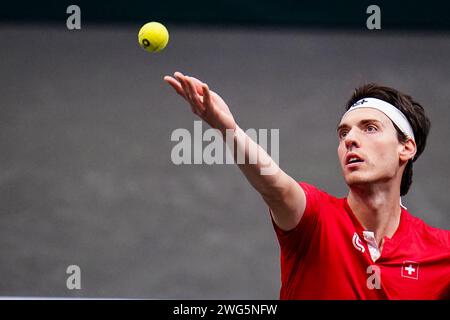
{"x": 153, "y": 37}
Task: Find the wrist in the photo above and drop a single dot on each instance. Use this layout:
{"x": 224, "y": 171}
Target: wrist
{"x": 230, "y": 131}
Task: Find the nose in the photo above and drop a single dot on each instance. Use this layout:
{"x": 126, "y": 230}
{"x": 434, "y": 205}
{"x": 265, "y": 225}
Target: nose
{"x": 351, "y": 140}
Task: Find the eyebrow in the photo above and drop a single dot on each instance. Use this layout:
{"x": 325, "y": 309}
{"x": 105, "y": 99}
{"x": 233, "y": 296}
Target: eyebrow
{"x": 362, "y": 122}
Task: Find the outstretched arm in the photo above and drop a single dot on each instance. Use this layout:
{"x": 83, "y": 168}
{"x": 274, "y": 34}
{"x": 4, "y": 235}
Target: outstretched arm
{"x": 282, "y": 194}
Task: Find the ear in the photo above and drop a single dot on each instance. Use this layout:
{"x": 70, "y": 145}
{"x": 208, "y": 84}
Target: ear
{"x": 407, "y": 150}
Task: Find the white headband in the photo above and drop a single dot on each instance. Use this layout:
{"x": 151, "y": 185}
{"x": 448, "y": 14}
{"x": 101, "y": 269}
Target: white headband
{"x": 389, "y": 110}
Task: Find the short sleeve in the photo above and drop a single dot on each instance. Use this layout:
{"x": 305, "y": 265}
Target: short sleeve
{"x": 299, "y": 237}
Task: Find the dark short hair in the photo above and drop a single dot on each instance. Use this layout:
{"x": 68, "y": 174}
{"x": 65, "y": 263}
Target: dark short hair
{"x": 413, "y": 111}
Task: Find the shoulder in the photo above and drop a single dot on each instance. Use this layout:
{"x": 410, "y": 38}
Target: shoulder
{"x": 318, "y": 196}
{"x": 311, "y": 190}
{"x": 432, "y": 235}
{"x": 320, "y": 205}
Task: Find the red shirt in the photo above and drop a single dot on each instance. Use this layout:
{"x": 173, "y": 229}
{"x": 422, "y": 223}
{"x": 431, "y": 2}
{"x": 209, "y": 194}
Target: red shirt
{"x": 326, "y": 256}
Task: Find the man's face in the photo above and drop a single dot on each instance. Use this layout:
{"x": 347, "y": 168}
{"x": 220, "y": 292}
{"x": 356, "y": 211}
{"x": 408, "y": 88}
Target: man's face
{"x": 368, "y": 148}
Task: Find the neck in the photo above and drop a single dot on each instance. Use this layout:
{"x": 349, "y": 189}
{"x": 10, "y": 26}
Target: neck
{"x": 377, "y": 209}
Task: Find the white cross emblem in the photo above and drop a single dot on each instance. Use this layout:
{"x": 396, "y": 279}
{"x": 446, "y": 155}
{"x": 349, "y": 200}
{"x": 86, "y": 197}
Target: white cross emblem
{"x": 410, "y": 269}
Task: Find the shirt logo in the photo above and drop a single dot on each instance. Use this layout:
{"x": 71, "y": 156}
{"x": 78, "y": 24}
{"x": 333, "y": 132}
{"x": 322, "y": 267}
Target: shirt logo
{"x": 410, "y": 269}
{"x": 357, "y": 243}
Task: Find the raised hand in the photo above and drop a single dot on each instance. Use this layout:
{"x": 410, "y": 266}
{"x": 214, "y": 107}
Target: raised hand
{"x": 205, "y": 103}
{"x": 282, "y": 193}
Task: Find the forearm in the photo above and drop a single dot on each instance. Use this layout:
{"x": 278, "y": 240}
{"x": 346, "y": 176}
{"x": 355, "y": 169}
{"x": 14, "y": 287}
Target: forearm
{"x": 257, "y": 165}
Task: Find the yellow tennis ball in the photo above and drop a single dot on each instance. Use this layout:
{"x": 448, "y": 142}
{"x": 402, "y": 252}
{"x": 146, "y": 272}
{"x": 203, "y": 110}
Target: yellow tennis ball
{"x": 153, "y": 37}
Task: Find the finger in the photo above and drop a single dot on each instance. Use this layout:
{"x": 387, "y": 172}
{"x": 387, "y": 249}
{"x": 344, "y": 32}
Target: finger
{"x": 198, "y": 85}
{"x": 188, "y": 93}
{"x": 206, "y": 96}
{"x": 181, "y": 79}
{"x": 178, "y": 74}
{"x": 170, "y": 79}
{"x": 196, "y": 99}
{"x": 175, "y": 84}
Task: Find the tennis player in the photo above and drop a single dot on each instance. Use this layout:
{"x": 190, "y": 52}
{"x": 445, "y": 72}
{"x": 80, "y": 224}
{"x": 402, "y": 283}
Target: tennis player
{"x": 366, "y": 245}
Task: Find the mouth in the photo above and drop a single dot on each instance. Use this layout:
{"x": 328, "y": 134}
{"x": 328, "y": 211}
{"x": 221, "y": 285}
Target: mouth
{"x": 353, "y": 160}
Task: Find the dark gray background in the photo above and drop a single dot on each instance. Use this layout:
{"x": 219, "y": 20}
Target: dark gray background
{"x": 85, "y": 170}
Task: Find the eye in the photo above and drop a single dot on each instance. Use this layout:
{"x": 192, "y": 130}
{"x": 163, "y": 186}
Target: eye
{"x": 342, "y": 134}
{"x": 371, "y": 128}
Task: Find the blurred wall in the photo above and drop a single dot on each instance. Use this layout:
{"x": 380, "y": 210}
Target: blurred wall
{"x": 86, "y": 176}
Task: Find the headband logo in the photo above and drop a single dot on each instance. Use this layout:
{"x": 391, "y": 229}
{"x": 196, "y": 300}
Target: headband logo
{"x": 359, "y": 103}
